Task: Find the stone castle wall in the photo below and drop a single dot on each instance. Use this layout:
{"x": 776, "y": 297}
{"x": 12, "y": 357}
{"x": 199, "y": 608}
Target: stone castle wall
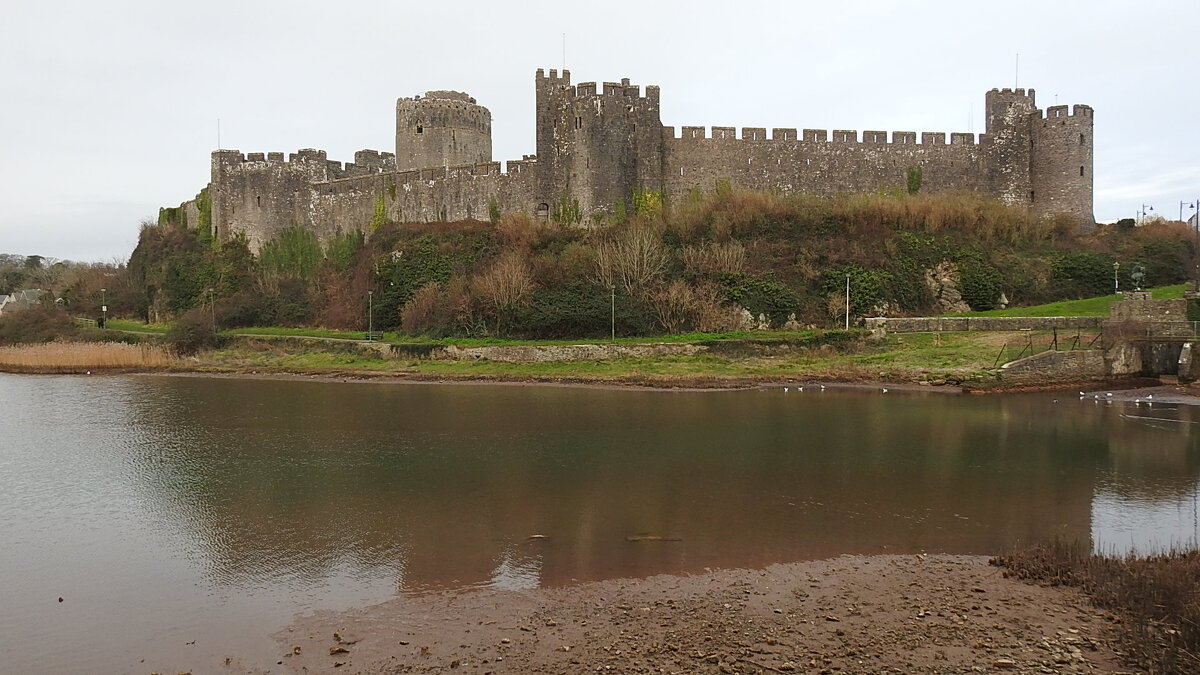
{"x": 597, "y": 144}
{"x": 814, "y": 162}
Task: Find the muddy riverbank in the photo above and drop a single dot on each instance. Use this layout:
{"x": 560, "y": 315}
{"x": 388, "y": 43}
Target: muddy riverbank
{"x": 853, "y": 614}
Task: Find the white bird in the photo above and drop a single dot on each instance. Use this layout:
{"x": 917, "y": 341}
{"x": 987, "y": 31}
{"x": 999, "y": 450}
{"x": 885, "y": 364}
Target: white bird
{"x": 883, "y": 390}
{"x": 1109, "y": 394}
{"x": 785, "y": 390}
{"x": 1149, "y": 395}
{"x": 1081, "y": 394}
{"x": 801, "y": 389}
{"x": 822, "y": 387}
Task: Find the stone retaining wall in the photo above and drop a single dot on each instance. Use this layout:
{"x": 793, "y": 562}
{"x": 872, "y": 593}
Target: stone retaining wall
{"x": 946, "y": 324}
{"x": 546, "y": 353}
{"x": 1053, "y": 365}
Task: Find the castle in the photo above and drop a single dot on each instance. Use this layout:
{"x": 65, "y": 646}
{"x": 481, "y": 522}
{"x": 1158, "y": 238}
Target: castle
{"x": 595, "y": 146}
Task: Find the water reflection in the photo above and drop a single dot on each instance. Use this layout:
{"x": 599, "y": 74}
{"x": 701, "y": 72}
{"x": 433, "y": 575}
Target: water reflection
{"x": 442, "y": 486}
{"x": 218, "y": 508}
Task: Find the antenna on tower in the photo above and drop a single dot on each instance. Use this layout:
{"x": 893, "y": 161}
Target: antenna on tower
{"x": 564, "y": 63}
{"x": 218, "y": 133}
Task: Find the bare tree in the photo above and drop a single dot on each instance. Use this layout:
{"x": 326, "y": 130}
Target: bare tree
{"x": 506, "y": 285}
{"x": 674, "y": 305}
{"x": 634, "y": 259}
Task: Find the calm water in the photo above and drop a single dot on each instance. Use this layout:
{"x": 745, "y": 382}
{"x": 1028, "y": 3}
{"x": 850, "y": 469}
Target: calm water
{"x": 170, "y": 510}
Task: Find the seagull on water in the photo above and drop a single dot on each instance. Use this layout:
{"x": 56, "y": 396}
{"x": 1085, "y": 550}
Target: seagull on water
{"x": 883, "y": 390}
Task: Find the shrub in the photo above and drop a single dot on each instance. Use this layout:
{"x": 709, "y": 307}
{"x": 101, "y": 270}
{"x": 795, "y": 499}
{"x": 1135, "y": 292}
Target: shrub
{"x": 192, "y": 333}
{"x": 294, "y": 254}
{"x": 762, "y": 296}
{"x": 714, "y": 259}
{"x": 419, "y": 315}
{"x": 980, "y": 285}
{"x": 581, "y": 309}
{"x": 35, "y": 324}
{"x": 1083, "y": 274}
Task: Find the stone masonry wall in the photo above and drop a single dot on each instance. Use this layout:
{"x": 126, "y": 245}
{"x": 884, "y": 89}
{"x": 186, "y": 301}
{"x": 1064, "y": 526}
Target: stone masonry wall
{"x": 811, "y": 162}
{"x": 1087, "y": 364}
{"x": 946, "y": 324}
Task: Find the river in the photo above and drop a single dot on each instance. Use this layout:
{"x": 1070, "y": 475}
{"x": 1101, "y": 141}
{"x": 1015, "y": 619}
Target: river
{"x": 182, "y": 520}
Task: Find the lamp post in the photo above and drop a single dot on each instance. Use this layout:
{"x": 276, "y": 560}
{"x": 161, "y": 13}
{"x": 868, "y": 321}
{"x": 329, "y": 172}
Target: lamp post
{"x": 847, "y": 302}
{"x": 103, "y": 309}
{"x": 612, "y": 290}
{"x": 1146, "y": 209}
{"x": 370, "y": 314}
{"x": 212, "y": 311}
{"x": 1195, "y": 206}
{"x": 1116, "y": 281}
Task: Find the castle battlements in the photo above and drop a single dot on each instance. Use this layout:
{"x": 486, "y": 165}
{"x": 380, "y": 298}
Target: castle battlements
{"x": 1056, "y": 111}
{"x": 791, "y": 136}
{"x": 599, "y": 142}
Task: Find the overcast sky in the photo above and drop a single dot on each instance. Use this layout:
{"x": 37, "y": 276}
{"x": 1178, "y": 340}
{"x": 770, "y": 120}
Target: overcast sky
{"x": 110, "y": 108}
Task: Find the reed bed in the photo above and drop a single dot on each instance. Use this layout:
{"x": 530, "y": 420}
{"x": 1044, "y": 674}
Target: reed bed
{"x": 1156, "y": 596}
{"x": 73, "y": 357}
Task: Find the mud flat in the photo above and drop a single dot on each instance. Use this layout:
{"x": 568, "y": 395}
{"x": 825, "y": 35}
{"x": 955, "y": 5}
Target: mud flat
{"x": 876, "y": 614}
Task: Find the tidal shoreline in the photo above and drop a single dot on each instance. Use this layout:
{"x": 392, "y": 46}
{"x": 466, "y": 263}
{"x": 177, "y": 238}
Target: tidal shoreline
{"x": 852, "y": 614}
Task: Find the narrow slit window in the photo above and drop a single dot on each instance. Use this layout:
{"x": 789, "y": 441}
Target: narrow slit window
{"x": 1081, "y": 139}
{"x": 420, "y": 129}
{"x": 1081, "y": 171}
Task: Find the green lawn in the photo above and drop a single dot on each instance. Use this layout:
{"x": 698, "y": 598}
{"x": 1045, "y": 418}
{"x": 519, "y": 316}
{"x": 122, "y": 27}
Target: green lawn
{"x": 1085, "y": 307}
{"x": 911, "y": 357}
{"x": 397, "y": 338}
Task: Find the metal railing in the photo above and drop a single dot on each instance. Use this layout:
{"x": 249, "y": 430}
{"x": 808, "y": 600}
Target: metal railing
{"x": 1029, "y": 346}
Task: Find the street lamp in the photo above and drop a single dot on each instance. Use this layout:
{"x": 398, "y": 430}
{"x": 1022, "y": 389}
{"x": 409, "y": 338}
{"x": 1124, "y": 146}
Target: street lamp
{"x": 1146, "y": 209}
{"x": 1190, "y": 205}
{"x": 370, "y": 314}
{"x": 103, "y": 309}
{"x": 1116, "y": 281}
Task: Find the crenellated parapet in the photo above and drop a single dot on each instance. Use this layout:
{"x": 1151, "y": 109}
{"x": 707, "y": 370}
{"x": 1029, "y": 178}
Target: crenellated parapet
{"x": 441, "y": 128}
{"x": 792, "y": 136}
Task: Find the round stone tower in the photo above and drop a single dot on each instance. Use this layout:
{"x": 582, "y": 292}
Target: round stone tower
{"x": 441, "y": 128}
{"x": 1061, "y": 162}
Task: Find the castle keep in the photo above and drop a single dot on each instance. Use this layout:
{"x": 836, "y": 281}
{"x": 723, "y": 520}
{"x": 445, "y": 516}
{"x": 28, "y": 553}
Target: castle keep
{"x": 595, "y": 145}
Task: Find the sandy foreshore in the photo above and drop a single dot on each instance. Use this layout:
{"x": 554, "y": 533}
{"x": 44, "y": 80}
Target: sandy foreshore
{"x": 876, "y": 614}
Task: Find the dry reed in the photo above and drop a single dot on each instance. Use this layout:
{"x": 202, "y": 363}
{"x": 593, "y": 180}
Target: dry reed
{"x": 1157, "y": 596}
{"x": 72, "y": 357}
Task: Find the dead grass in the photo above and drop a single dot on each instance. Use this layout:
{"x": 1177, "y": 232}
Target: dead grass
{"x": 1157, "y": 596}
{"x": 72, "y": 357}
